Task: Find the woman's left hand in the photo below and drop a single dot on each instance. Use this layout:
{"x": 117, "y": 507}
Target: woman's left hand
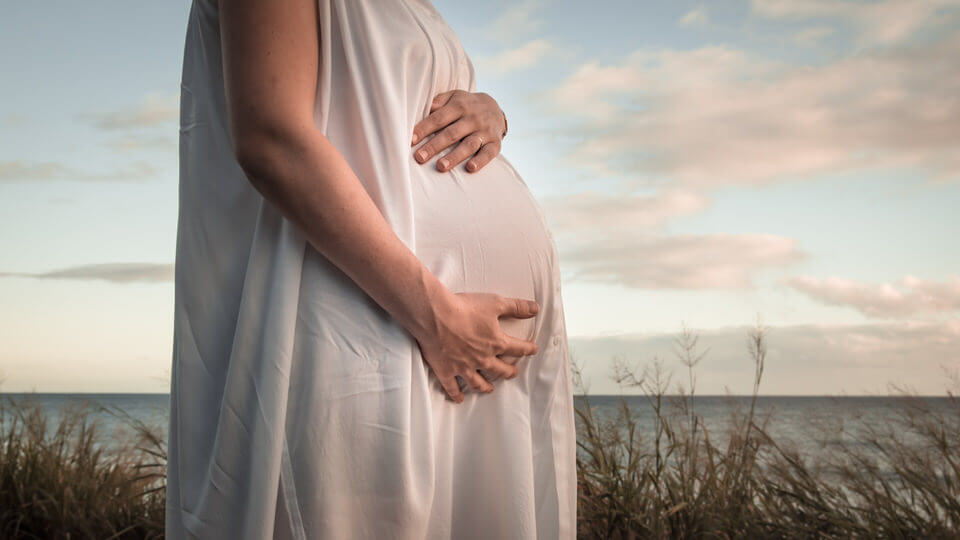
{"x": 471, "y": 118}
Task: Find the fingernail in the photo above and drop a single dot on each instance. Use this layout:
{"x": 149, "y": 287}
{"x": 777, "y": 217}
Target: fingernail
{"x": 534, "y": 307}
{"x": 471, "y": 166}
{"x": 414, "y": 141}
{"x": 442, "y": 164}
{"x": 421, "y": 155}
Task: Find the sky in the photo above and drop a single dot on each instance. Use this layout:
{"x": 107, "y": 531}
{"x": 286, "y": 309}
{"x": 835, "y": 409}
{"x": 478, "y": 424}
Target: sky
{"x": 791, "y": 165}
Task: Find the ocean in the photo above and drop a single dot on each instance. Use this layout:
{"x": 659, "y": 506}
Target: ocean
{"x": 812, "y": 423}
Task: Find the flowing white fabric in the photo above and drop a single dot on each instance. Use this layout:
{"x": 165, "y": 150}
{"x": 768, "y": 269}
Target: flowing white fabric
{"x": 299, "y": 408}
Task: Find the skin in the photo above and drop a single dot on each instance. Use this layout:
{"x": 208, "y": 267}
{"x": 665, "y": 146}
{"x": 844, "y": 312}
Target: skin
{"x": 472, "y": 119}
{"x": 270, "y": 61}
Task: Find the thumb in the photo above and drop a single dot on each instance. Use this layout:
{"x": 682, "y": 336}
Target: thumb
{"x": 519, "y": 308}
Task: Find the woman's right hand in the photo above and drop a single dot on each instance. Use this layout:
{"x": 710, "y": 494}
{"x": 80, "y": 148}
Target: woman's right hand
{"x": 468, "y": 337}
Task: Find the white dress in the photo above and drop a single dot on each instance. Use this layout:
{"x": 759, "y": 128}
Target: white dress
{"x": 299, "y": 408}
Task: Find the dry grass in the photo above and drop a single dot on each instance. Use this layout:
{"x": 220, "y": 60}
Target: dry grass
{"x": 68, "y": 482}
{"x": 676, "y": 479}
{"x": 894, "y": 479}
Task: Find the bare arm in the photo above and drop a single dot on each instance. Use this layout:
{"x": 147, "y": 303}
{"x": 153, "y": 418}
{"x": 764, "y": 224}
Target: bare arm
{"x": 270, "y": 62}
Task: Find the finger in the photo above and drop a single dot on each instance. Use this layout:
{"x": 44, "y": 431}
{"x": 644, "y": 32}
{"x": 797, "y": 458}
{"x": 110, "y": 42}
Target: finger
{"x": 483, "y": 156}
{"x": 477, "y": 382}
{"x": 514, "y": 346}
{"x": 434, "y": 121}
{"x": 450, "y": 386}
{"x": 467, "y": 147}
{"x": 447, "y": 136}
{"x": 518, "y": 307}
{"x": 498, "y": 367}
{"x": 441, "y": 99}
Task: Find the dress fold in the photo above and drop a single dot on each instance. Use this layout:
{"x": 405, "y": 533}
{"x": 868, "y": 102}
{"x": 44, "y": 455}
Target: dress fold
{"x": 300, "y": 408}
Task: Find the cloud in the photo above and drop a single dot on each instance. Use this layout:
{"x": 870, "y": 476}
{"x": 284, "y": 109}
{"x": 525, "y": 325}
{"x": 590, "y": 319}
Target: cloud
{"x": 516, "y": 59}
{"x": 112, "y": 272}
{"x": 14, "y": 120}
{"x": 811, "y": 36}
{"x": 619, "y": 238}
{"x": 807, "y": 359}
{"x": 910, "y": 296}
{"x": 677, "y": 261}
{"x": 154, "y": 110}
{"x": 24, "y": 171}
{"x": 517, "y": 20}
{"x": 583, "y": 93}
{"x": 133, "y": 142}
{"x": 603, "y": 210}
{"x": 718, "y": 116}
{"x": 46, "y": 170}
{"x": 879, "y": 23}
{"x": 695, "y": 17}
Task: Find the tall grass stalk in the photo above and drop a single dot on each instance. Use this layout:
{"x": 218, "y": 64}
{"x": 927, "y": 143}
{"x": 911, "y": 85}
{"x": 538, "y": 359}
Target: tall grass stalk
{"x": 675, "y": 479}
{"x": 71, "y": 480}
{"x": 899, "y": 478}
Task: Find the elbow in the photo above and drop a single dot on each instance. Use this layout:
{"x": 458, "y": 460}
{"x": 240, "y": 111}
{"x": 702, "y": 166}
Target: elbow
{"x": 269, "y": 154}
{"x": 255, "y": 152}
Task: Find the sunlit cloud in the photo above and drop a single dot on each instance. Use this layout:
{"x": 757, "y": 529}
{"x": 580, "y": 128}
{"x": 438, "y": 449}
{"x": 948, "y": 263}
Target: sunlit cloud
{"x": 718, "y": 116}
{"x": 878, "y": 23}
{"x": 522, "y": 57}
{"x": 814, "y": 35}
{"x": 688, "y": 261}
{"x": 14, "y": 120}
{"x": 695, "y": 17}
{"x": 600, "y": 212}
{"x": 909, "y": 296}
{"x": 112, "y": 272}
{"x": 592, "y": 84}
{"x": 520, "y": 19}
{"x": 133, "y": 142}
{"x": 27, "y": 171}
{"x": 618, "y": 238}
{"x": 17, "y": 170}
{"x": 154, "y": 110}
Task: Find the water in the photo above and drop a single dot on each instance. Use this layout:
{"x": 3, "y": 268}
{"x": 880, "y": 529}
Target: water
{"x": 810, "y": 423}
{"x": 151, "y": 409}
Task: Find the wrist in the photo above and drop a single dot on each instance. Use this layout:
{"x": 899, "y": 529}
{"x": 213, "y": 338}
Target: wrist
{"x": 434, "y": 302}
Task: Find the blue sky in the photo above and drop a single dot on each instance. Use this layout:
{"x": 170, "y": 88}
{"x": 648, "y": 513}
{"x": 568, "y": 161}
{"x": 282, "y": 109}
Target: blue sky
{"x": 699, "y": 163}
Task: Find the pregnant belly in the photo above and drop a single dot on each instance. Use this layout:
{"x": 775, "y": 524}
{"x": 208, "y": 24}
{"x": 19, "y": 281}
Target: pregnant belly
{"x": 484, "y": 232}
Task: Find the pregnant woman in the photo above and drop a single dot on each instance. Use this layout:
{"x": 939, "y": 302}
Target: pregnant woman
{"x": 367, "y": 343}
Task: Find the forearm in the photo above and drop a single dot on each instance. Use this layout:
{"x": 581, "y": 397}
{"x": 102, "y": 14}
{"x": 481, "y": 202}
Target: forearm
{"x": 313, "y": 186}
